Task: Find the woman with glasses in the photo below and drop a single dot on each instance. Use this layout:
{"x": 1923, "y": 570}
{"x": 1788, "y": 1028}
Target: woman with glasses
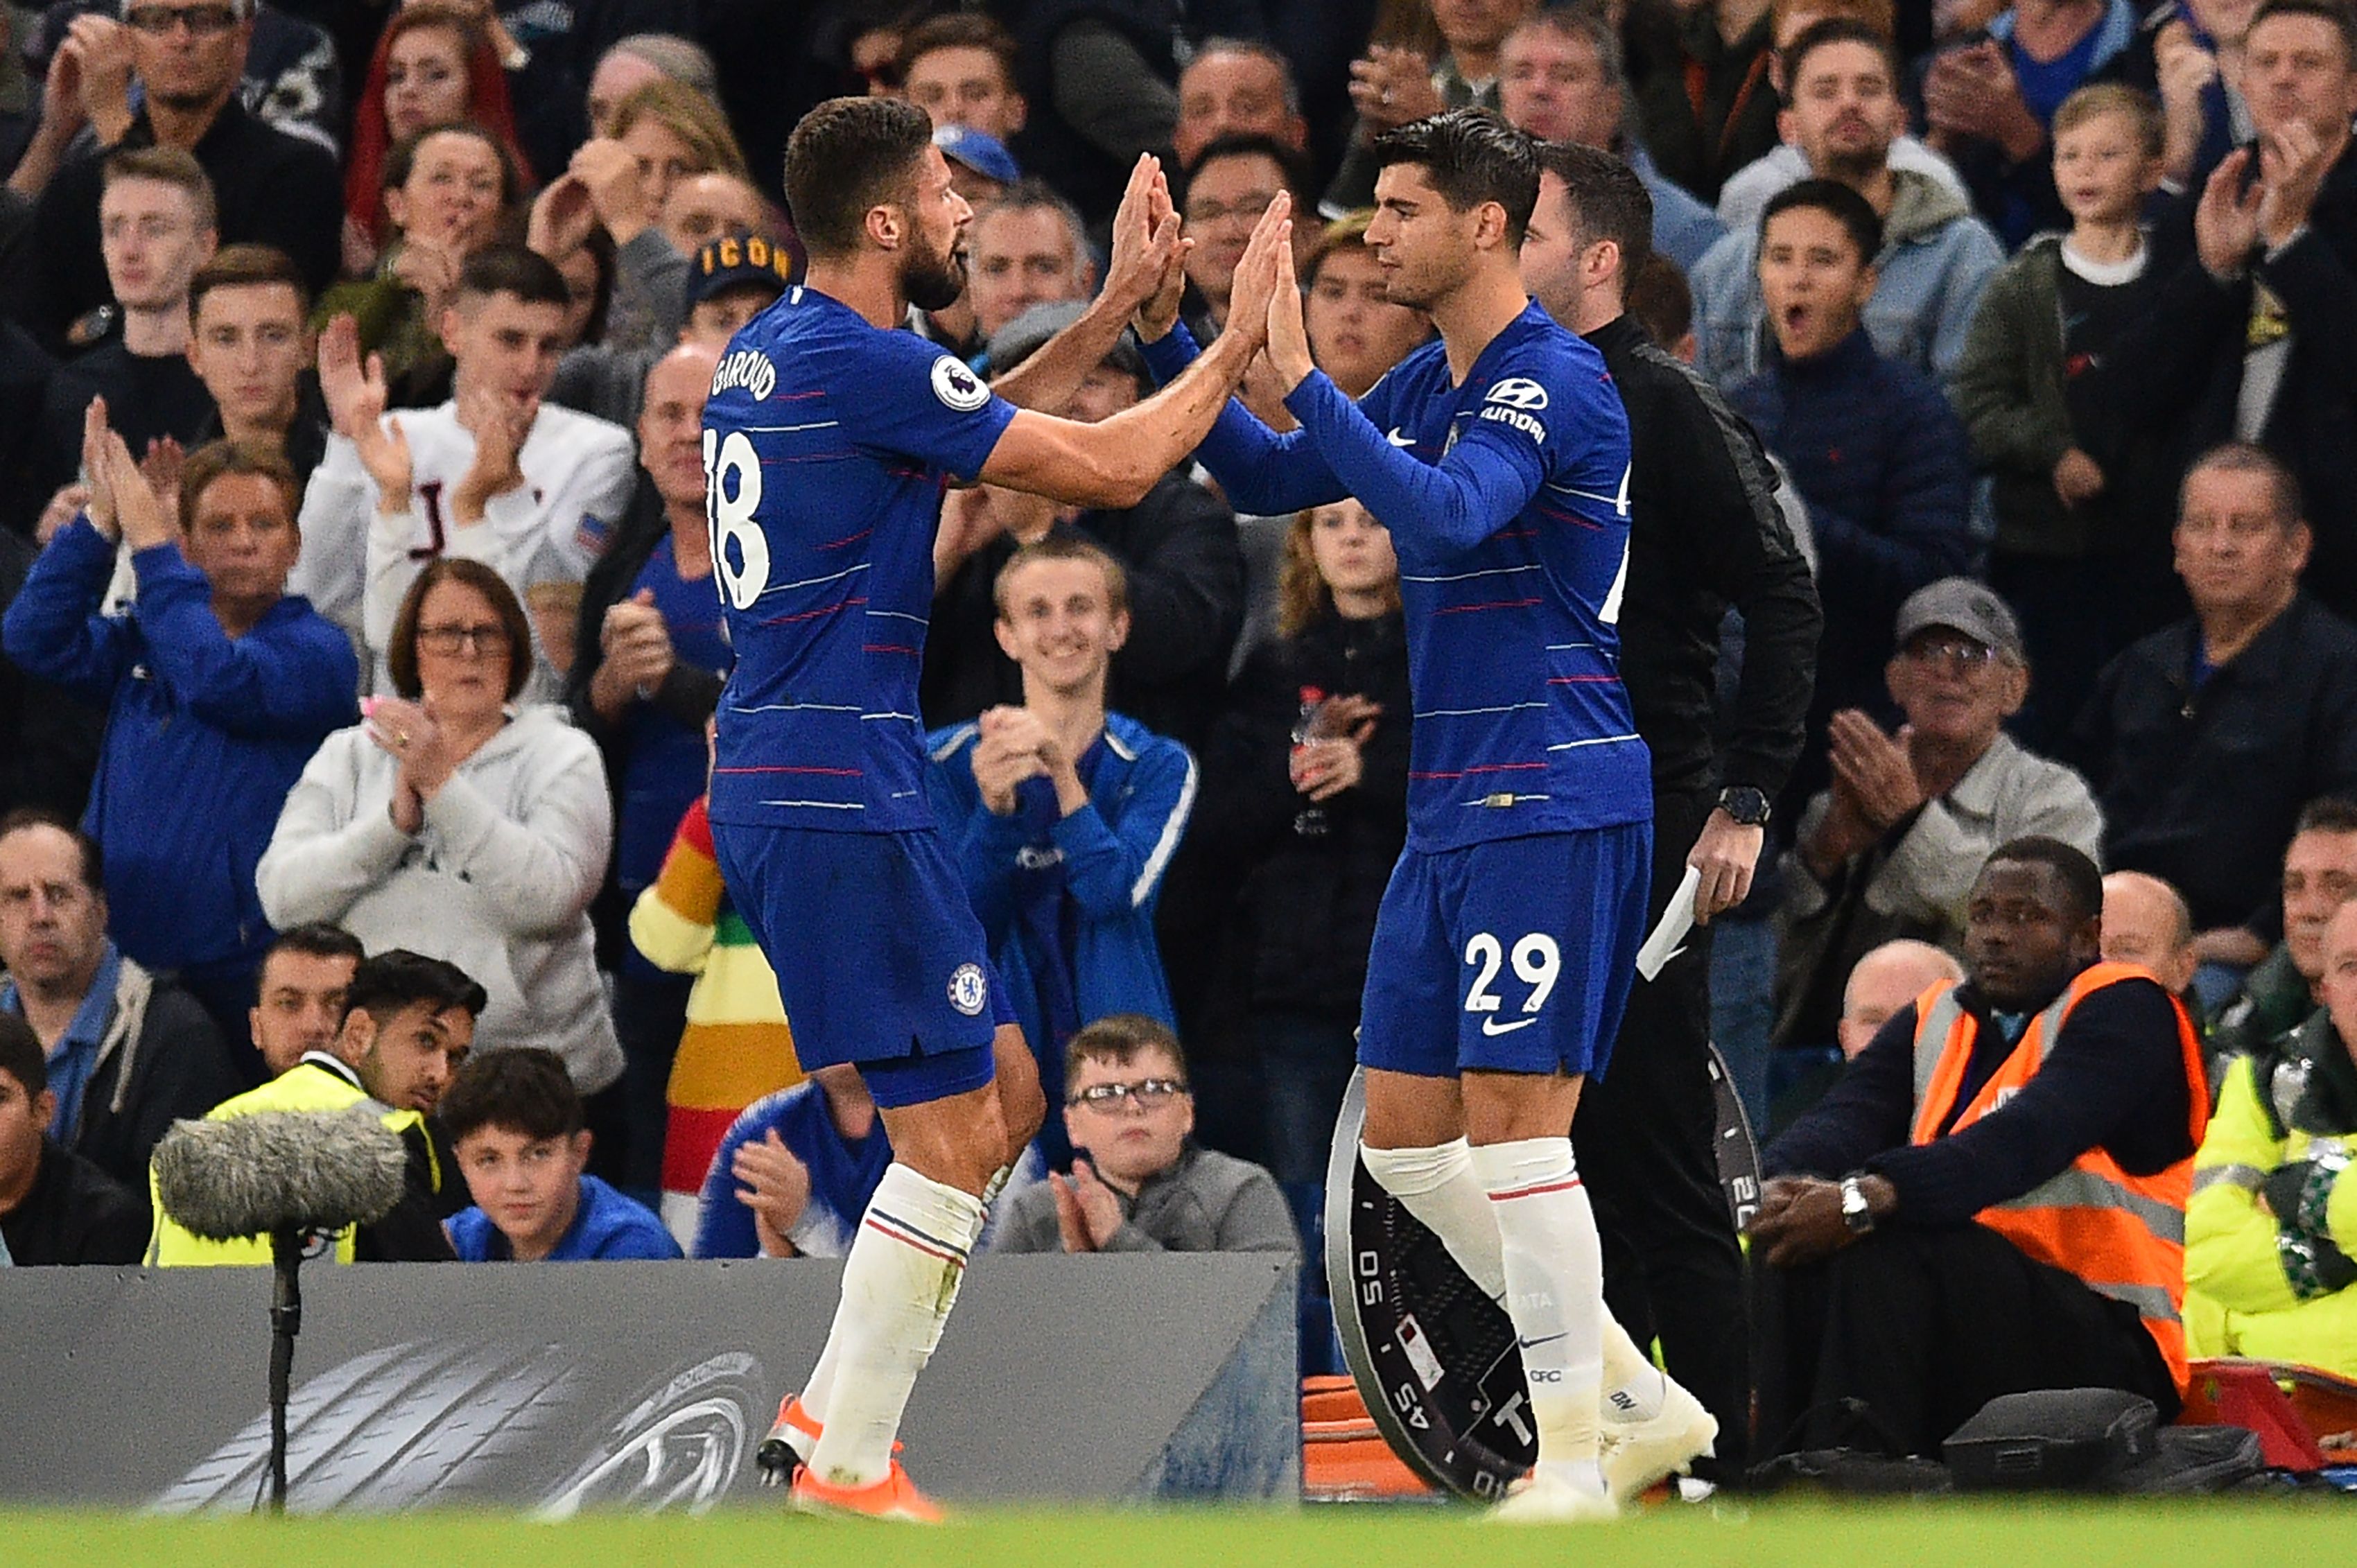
{"x": 456, "y": 824}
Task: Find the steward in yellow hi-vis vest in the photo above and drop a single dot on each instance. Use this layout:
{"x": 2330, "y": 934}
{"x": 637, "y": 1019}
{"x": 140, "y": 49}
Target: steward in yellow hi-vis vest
{"x": 408, "y": 1021}
{"x": 1992, "y": 1197}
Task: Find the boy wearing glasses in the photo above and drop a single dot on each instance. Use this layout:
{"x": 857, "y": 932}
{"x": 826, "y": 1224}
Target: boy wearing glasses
{"x": 1891, "y": 849}
{"x": 1138, "y": 1183}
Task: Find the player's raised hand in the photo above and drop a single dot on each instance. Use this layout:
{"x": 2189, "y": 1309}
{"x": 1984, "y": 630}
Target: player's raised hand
{"x": 1268, "y": 264}
{"x": 1288, "y": 336}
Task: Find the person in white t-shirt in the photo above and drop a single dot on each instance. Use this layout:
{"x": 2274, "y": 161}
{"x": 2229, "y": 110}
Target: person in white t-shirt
{"x": 494, "y": 475}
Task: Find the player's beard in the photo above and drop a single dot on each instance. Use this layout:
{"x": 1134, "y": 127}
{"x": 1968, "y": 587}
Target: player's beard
{"x": 934, "y": 281}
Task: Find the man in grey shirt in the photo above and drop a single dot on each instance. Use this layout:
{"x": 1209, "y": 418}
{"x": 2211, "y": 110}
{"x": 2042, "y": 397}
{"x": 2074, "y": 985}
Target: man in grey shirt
{"x": 1893, "y": 849}
{"x": 1138, "y": 1184}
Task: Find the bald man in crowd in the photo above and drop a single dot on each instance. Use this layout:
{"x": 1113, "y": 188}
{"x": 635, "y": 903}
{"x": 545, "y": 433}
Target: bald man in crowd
{"x": 2146, "y": 921}
{"x": 1886, "y": 980}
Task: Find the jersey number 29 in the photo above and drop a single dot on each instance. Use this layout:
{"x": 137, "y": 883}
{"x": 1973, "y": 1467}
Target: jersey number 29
{"x": 731, "y": 517}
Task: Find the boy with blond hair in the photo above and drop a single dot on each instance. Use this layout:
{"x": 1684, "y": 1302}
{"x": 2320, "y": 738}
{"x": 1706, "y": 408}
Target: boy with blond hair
{"x": 2051, "y": 407}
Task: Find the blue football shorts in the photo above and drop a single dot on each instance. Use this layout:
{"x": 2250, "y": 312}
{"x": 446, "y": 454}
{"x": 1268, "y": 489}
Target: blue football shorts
{"x": 879, "y": 959}
{"x": 1512, "y": 955}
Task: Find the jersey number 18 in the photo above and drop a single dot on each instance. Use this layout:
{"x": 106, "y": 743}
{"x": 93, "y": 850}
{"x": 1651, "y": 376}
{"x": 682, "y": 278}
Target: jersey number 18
{"x": 731, "y": 517}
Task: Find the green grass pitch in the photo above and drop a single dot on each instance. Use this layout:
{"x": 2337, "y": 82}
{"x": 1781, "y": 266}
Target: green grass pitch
{"x": 2012, "y": 1533}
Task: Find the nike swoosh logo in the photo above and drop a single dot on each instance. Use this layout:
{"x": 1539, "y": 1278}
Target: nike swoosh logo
{"x": 1544, "y": 1339}
{"x": 1398, "y": 437}
{"x": 1491, "y": 1026}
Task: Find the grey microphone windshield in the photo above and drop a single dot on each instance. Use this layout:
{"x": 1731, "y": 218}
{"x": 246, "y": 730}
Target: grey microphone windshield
{"x": 280, "y": 1170}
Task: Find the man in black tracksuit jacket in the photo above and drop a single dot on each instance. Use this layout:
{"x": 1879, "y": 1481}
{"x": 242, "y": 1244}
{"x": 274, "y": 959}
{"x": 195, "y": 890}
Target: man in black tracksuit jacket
{"x": 1705, "y": 534}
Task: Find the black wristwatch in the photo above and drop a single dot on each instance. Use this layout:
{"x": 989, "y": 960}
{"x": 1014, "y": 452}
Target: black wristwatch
{"x": 1748, "y": 806}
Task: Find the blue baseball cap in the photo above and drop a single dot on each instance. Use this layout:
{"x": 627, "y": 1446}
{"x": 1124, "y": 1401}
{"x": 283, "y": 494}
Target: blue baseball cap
{"x": 979, "y": 151}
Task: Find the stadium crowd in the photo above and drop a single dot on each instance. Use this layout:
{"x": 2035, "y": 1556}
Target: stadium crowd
{"x": 1993, "y": 487}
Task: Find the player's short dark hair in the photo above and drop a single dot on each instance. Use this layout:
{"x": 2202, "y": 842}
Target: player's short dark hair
{"x": 1065, "y": 545}
{"x": 2286, "y": 503}
{"x": 1660, "y": 300}
{"x": 1606, "y": 201}
{"x": 217, "y": 460}
{"x": 1118, "y": 1038}
{"x": 1838, "y": 30}
{"x": 398, "y": 978}
{"x": 401, "y": 653}
{"x": 1846, "y": 206}
{"x": 93, "y": 860}
{"x": 1292, "y": 167}
{"x": 2326, "y": 814}
{"x": 318, "y": 940}
{"x": 401, "y": 159}
{"x": 521, "y": 1089}
{"x": 2343, "y": 20}
{"x": 21, "y": 1056}
{"x": 846, "y": 155}
{"x": 248, "y": 266}
{"x": 2081, "y": 881}
{"x": 1470, "y": 156}
{"x": 514, "y": 269}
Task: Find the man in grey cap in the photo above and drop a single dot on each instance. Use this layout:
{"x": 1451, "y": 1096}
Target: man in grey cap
{"x": 1891, "y": 849}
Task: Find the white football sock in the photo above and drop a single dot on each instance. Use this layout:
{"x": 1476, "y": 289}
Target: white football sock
{"x": 898, "y": 1284}
{"x": 1554, "y": 1294}
{"x": 1438, "y": 1185}
{"x": 1633, "y": 1386}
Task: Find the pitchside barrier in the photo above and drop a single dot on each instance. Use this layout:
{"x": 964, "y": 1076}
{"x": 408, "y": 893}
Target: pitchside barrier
{"x": 635, "y": 1386}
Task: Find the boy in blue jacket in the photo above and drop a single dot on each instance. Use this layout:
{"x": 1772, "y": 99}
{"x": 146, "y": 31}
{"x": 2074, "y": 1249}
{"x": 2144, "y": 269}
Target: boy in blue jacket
{"x": 218, "y": 684}
{"x": 1871, "y": 445}
{"x": 514, "y": 1121}
{"x": 1063, "y": 816}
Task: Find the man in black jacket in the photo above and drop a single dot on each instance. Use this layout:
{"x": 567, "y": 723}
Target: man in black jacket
{"x": 272, "y": 187}
{"x": 2257, "y": 323}
{"x": 2204, "y": 740}
{"x": 55, "y": 1205}
{"x": 649, "y": 664}
{"x": 1705, "y": 534}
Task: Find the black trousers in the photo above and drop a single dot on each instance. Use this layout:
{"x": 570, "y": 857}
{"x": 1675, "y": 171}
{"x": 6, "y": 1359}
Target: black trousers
{"x": 1647, "y": 1145}
{"x": 1926, "y": 1326}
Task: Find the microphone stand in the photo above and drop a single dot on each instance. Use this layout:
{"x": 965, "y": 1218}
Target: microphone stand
{"x": 285, "y": 1322}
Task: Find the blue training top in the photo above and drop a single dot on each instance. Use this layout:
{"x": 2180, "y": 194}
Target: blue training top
{"x": 605, "y": 1225}
{"x": 827, "y": 444}
{"x": 1507, "y": 498}
{"x": 843, "y": 1177}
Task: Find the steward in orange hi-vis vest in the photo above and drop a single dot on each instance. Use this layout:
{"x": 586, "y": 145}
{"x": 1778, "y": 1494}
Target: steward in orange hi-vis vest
{"x": 2124, "y": 1235}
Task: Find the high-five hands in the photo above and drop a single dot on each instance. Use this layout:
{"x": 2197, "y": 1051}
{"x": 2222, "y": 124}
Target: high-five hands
{"x": 1265, "y": 271}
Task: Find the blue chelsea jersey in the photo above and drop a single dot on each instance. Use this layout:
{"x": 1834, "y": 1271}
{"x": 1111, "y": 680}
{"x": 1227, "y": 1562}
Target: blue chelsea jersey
{"x": 1521, "y": 721}
{"x": 827, "y": 444}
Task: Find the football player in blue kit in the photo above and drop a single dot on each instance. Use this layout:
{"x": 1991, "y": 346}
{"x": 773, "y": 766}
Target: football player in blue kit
{"x": 828, "y": 440}
{"x": 1498, "y": 456}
